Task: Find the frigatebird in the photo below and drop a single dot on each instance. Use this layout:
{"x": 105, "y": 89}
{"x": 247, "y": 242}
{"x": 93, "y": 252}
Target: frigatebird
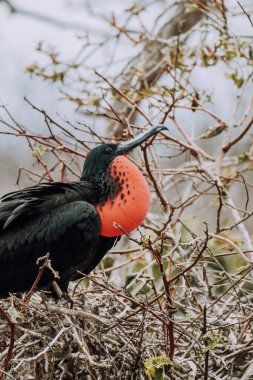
{"x": 75, "y": 222}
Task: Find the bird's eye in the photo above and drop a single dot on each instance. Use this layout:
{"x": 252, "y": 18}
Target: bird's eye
{"x": 109, "y": 150}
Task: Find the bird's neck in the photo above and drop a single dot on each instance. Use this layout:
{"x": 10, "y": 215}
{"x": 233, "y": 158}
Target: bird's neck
{"x": 107, "y": 186}
{"x": 127, "y": 199}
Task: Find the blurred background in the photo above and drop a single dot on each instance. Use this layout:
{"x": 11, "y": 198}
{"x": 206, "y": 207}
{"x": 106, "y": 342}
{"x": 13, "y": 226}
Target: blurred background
{"x": 68, "y": 27}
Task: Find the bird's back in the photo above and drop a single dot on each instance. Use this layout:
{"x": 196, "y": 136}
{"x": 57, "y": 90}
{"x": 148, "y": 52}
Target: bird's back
{"x": 48, "y": 219}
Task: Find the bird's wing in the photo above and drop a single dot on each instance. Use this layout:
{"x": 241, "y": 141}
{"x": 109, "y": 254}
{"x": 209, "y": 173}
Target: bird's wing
{"x": 17, "y": 206}
{"x": 105, "y": 244}
{"x": 69, "y": 233}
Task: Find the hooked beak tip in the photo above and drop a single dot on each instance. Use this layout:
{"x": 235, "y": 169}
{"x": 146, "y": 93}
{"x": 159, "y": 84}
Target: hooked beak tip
{"x": 162, "y": 127}
{"x": 125, "y": 147}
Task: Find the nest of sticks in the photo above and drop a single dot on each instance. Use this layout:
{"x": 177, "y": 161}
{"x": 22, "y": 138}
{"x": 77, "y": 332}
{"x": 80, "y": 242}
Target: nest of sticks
{"x": 111, "y": 334}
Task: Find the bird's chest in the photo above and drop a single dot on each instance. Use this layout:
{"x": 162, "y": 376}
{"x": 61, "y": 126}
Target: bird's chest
{"x": 128, "y": 208}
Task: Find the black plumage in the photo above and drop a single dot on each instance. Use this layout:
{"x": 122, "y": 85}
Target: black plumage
{"x": 59, "y": 218}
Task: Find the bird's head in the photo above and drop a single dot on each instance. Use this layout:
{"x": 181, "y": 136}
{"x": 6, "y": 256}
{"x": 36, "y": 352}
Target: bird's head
{"x": 100, "y": 158}
{"x": 118, "y": 181}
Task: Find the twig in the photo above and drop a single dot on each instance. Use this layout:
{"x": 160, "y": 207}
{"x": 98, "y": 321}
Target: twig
{"x": 38, "y": 278}
{"x": 207, "y": 350}
{"x": 246, "y": 13}
{"x": 185, "y": 270}
{"x": 238, "y": 138}
{"x": 11, "y": 344}
{"x": 70, "y": 312}
{"x": 48, "y": 347}
{"x": 130, "y": 101}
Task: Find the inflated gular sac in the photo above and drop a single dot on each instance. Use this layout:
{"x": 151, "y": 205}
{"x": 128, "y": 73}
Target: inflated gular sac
{"x": 130, "y": 207}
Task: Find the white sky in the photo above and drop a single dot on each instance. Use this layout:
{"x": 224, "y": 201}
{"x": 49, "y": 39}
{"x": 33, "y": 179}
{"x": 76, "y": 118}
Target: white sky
{"x": 19, "y": 36}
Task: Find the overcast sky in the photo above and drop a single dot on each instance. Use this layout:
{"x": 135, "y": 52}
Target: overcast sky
{"x": 19, "y": 36}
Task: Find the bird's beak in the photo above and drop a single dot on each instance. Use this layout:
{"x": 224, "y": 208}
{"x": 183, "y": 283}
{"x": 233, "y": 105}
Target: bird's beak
{"x": 129, "y": 145}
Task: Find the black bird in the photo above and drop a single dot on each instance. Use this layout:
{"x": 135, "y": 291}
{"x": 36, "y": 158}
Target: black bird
{"x": 76, "y": 222}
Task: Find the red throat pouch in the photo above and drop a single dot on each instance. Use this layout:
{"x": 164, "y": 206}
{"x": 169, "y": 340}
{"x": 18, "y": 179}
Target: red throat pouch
{"x": 130, "y": 207}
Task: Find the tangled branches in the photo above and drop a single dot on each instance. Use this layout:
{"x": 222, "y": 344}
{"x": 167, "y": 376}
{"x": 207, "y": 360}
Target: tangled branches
{"x": 111, "y": 333}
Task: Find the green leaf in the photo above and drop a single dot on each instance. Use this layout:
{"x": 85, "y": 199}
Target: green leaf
{"x": 243, "y": 157}
{"x": 211, "y": 340}
{"x": 39, "y": 151}
{"x": 238, "y": 80}
{"x": 15, "y": 315}
{"x": 144, "y": 241}
{"x": 155, "y": 366}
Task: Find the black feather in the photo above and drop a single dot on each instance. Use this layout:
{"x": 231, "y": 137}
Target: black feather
{"x": 16, "y": 207}
{"x": 60, "y": 219}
